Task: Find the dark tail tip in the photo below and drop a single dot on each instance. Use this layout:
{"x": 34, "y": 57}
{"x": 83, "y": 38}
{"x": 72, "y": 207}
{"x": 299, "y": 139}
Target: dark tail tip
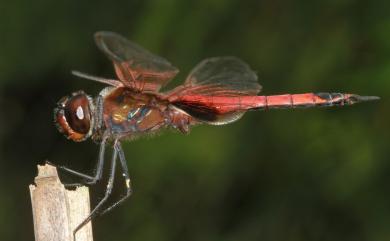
{"x": 357, "y": 98}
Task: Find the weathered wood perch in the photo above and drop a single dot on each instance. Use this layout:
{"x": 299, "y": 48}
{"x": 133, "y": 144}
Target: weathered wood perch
{"x": 57, "y": 211}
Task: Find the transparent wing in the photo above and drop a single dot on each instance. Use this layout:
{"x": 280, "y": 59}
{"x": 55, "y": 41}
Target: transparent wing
{"x": 222, "y": 76}
{"x": 135, "y": 66}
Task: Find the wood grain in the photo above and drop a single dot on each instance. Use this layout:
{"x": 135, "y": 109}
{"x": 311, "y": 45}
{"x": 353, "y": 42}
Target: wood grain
{"x": 57, "y": 211}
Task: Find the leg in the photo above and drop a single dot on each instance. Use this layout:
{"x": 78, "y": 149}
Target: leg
{"x": 99, "y": 167}
{"x": 110, "y": 184}
{"x": 118, "y": 148}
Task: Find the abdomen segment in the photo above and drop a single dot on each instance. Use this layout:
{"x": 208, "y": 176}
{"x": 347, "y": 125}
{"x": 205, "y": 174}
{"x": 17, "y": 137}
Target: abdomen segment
{"x": 309, "y": 100}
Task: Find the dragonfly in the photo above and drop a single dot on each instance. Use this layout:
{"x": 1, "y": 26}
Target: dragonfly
{"x": 218, "y": 91}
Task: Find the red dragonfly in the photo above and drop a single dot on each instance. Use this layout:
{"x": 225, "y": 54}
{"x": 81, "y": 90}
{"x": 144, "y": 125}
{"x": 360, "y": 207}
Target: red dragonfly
{"x": 218, "y": 91}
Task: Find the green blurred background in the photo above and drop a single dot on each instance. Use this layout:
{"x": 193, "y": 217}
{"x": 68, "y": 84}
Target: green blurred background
{"x": 304, "y": 174}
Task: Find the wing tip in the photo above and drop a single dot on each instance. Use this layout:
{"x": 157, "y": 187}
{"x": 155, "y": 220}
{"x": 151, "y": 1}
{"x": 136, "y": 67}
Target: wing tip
{"x": 102, "y": 33}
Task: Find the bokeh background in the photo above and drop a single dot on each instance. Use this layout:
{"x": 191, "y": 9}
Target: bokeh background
{"x": 304, "y": 174}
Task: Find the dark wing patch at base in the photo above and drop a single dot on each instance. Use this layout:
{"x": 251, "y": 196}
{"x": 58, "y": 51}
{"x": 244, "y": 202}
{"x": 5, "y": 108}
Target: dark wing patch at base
{"x": 197, "y": 110}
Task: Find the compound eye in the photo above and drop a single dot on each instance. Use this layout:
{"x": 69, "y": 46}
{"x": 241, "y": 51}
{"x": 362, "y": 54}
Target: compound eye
{"x": 77, "y": 114}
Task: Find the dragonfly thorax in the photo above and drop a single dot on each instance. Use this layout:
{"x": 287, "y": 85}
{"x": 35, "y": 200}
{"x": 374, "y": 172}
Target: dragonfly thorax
{"x": 127, "y": 113}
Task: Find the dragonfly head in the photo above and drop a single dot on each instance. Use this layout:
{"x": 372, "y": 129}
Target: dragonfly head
{"x": 74, "y": 116}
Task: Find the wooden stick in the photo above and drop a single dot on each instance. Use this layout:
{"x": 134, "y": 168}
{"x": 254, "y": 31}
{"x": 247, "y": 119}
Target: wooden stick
{"x": 57, "y": 211}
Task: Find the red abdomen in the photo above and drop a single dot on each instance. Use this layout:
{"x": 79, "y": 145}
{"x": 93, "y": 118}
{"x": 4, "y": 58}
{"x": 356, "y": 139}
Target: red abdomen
{"x": 208, "y": 107}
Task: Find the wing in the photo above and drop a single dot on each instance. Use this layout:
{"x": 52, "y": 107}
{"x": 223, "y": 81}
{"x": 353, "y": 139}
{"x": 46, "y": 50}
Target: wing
{"x": 135, "y": 67}
{"x": 221, "y": 76}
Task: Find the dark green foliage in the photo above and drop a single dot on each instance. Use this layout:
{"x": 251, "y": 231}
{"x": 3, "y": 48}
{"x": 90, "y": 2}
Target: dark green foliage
{"x": 311, "y": 174}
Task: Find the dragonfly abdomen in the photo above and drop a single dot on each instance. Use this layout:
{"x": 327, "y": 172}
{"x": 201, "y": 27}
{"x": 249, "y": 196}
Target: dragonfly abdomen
{"x": 209, "y": 107}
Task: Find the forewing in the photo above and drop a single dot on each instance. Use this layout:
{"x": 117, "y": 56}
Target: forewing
{"x": 222, "y": 76}
{"x": 135, "y": 66}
